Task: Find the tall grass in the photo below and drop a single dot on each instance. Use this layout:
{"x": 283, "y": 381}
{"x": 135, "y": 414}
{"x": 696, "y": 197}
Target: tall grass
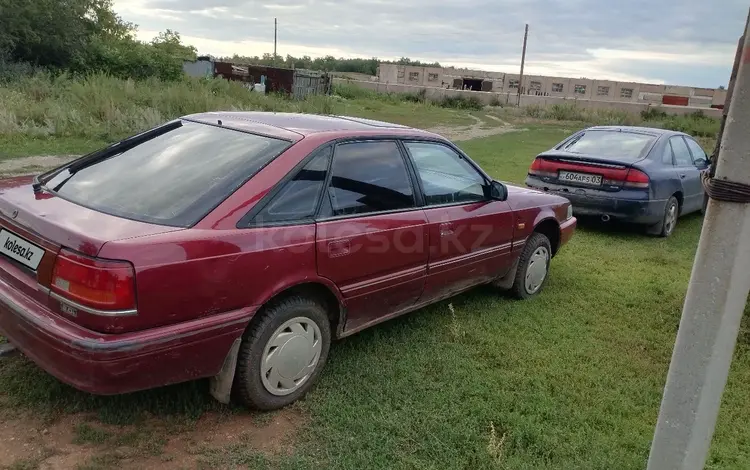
{"x": 104, "y": 107}
{"x": 696, "y": 124}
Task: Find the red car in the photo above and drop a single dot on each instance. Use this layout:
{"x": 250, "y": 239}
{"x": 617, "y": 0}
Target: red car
{"x": 238, "y": 245}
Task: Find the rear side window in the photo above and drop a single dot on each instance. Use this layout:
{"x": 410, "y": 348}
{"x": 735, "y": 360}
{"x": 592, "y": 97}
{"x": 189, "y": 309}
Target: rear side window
{"x": 175, "y": 178}
{"x": 298, "y": 198}
{"x": 613, "y": 145}
{"x": 681, "y": 153}
{"x": 368, "y": 177}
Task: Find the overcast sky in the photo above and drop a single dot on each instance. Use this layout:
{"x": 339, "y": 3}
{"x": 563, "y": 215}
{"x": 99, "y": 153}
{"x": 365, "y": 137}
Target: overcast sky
{"x": 683, "y": 42}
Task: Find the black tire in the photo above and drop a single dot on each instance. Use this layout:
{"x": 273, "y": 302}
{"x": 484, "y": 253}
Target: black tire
{"x": 705, "y": 204}
{"x": 534, "y": 243}
{"x": 248, "y": 383}
{"x": 664, "y": 228}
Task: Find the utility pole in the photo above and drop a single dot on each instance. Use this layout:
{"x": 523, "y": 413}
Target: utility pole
{"x": 523, "y": 61}
{"x": 715, "y": 301}
{"x": 275, "y": 30}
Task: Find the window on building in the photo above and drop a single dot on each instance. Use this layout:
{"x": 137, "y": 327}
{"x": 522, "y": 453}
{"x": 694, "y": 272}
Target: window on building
{"x": 580, "y": 89}
{"x": 413, "y": 76}
{"x": 369, "y": 177}
{"x": 626, "y": 93}
{"x": 401, "y": 73}
{"x": 557, "y": 88}
{"x": 512, "y": 83}
{"x": 602, "y": 91}
{"x": 536, "y": 86}
{"x": 433, "y": 77}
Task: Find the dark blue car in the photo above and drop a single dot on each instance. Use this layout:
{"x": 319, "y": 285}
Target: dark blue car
{"x": 633, "y": 174}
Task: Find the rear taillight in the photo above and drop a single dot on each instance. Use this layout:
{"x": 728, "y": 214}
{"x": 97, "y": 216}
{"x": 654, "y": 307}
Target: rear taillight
{"x": 636, "y": 179}
{"x": 95, "y": 285}
{"x": 541, "y": 167}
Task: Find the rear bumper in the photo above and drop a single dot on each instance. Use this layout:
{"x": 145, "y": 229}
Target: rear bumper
{"x": 624, "y": 205}
{"x": 109, "y": 364}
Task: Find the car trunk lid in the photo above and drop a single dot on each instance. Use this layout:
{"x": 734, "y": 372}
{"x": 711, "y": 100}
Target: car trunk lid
{"x": 588, "y": 171}
{"x": 31, "y": 221}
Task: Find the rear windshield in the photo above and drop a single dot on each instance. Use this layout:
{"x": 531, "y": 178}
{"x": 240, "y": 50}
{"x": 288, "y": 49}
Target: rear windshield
{"x": 610, "y": 144}
{"x": 175, "y": 178}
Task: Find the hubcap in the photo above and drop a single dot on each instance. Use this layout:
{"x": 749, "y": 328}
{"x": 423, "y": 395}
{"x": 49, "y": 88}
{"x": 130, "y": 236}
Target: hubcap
{"x": 671, "y": 218}
{"x": 290, "y": 356}
{"x": 537, "y": 270}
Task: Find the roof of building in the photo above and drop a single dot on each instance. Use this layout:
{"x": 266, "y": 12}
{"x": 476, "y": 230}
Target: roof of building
{"x": 290, "y": 125}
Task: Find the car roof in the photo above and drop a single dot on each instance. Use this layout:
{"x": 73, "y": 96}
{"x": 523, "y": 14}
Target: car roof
{"x": 655, "y": 131}
{"x": 295, "y": 126}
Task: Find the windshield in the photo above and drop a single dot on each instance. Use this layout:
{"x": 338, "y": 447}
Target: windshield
{"x": 610, "y": 144}
{"x": 175, "y": 178}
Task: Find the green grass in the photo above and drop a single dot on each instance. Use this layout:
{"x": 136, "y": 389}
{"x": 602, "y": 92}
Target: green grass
{"x": 569, "y": 380}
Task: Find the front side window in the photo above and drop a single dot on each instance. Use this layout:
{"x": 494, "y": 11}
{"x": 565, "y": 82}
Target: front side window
{"x": 368, "y": 177}
{"x": 445, "y": 175}
{"x": 697, "y": 151}
{"x": 174, "y": 178}
{"x": 681, "y": 153}
{"x": 298, "y": 198}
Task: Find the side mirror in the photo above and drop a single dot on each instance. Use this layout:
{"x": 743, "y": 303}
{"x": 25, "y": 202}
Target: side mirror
{"x": 498, "y": 191}
{"x": 702, "y": 163}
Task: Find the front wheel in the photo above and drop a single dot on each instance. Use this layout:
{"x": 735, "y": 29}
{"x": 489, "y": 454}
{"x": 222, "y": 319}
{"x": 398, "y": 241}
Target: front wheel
{"x": 533, "y": 267}
{"x": 282, "y": 354}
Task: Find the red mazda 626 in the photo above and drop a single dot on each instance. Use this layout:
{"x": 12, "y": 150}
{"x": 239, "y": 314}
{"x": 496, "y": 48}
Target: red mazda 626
{"x": 238, "y": 245}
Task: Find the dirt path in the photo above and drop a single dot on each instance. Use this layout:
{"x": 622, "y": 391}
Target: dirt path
{"x": 478, "y": 129}
{"x": 214, "y": 441}
{"x": 31, "y": 165}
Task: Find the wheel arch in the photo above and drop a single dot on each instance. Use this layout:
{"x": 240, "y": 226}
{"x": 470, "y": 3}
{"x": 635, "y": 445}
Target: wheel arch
{"x": 324, "y": 290}
{"x": 550, "y": 228}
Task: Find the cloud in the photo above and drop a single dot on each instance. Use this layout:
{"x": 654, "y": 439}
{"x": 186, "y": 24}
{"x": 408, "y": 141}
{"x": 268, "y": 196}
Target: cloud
{"x": 684, "y": 41}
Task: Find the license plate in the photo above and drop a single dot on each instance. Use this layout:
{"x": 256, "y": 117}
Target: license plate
{"x": 581, "y": 178}
{"x": 23, "y": 251}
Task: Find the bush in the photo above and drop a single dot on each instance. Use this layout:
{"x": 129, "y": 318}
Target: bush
{"x": 653, "y": 114}
{"x": 535, "y": 111}
{"x": 495, "y": 101}
{"x": 565, "y": 112}
{"x": 418, "y": 97}
{"x": 461, "y": 102}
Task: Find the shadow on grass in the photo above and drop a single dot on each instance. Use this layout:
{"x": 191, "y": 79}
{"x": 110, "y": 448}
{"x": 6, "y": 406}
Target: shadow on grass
{"x": 26, "y": 387}
{"x": 628, "y": 231}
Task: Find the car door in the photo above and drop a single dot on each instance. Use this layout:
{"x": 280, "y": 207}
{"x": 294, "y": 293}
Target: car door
{"x": 371, "y": 236}
{"x": 470, "y": 235}
{"x": 689, "y": 174}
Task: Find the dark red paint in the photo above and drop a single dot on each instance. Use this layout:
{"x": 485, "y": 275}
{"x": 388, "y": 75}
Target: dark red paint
{"x": 198, "y": 288}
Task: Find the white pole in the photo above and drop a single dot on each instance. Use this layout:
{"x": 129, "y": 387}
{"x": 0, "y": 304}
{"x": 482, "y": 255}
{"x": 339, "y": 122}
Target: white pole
{"x": 714, "y": 304}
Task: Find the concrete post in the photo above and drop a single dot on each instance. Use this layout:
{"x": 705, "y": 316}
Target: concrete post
{"x": 715, "y": 301}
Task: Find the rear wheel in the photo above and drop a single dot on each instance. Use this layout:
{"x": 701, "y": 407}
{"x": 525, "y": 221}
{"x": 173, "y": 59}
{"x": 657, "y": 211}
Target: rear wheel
{"x": 669, "y": 219}
{"x": 533, "y": 267}
{"x": 282, "y": 355}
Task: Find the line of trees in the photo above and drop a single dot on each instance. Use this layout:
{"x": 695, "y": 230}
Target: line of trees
{"x": 328, "y": 63}
{"x": 87, "y": 36}
{"x": 83, "y": 36}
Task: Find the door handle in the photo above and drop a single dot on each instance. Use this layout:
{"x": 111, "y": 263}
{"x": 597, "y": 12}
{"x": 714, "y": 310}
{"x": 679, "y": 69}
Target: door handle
{"x": 339, "y": 248}
{"x": 683, "y": 175}
{"x": 446, "y": 229}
